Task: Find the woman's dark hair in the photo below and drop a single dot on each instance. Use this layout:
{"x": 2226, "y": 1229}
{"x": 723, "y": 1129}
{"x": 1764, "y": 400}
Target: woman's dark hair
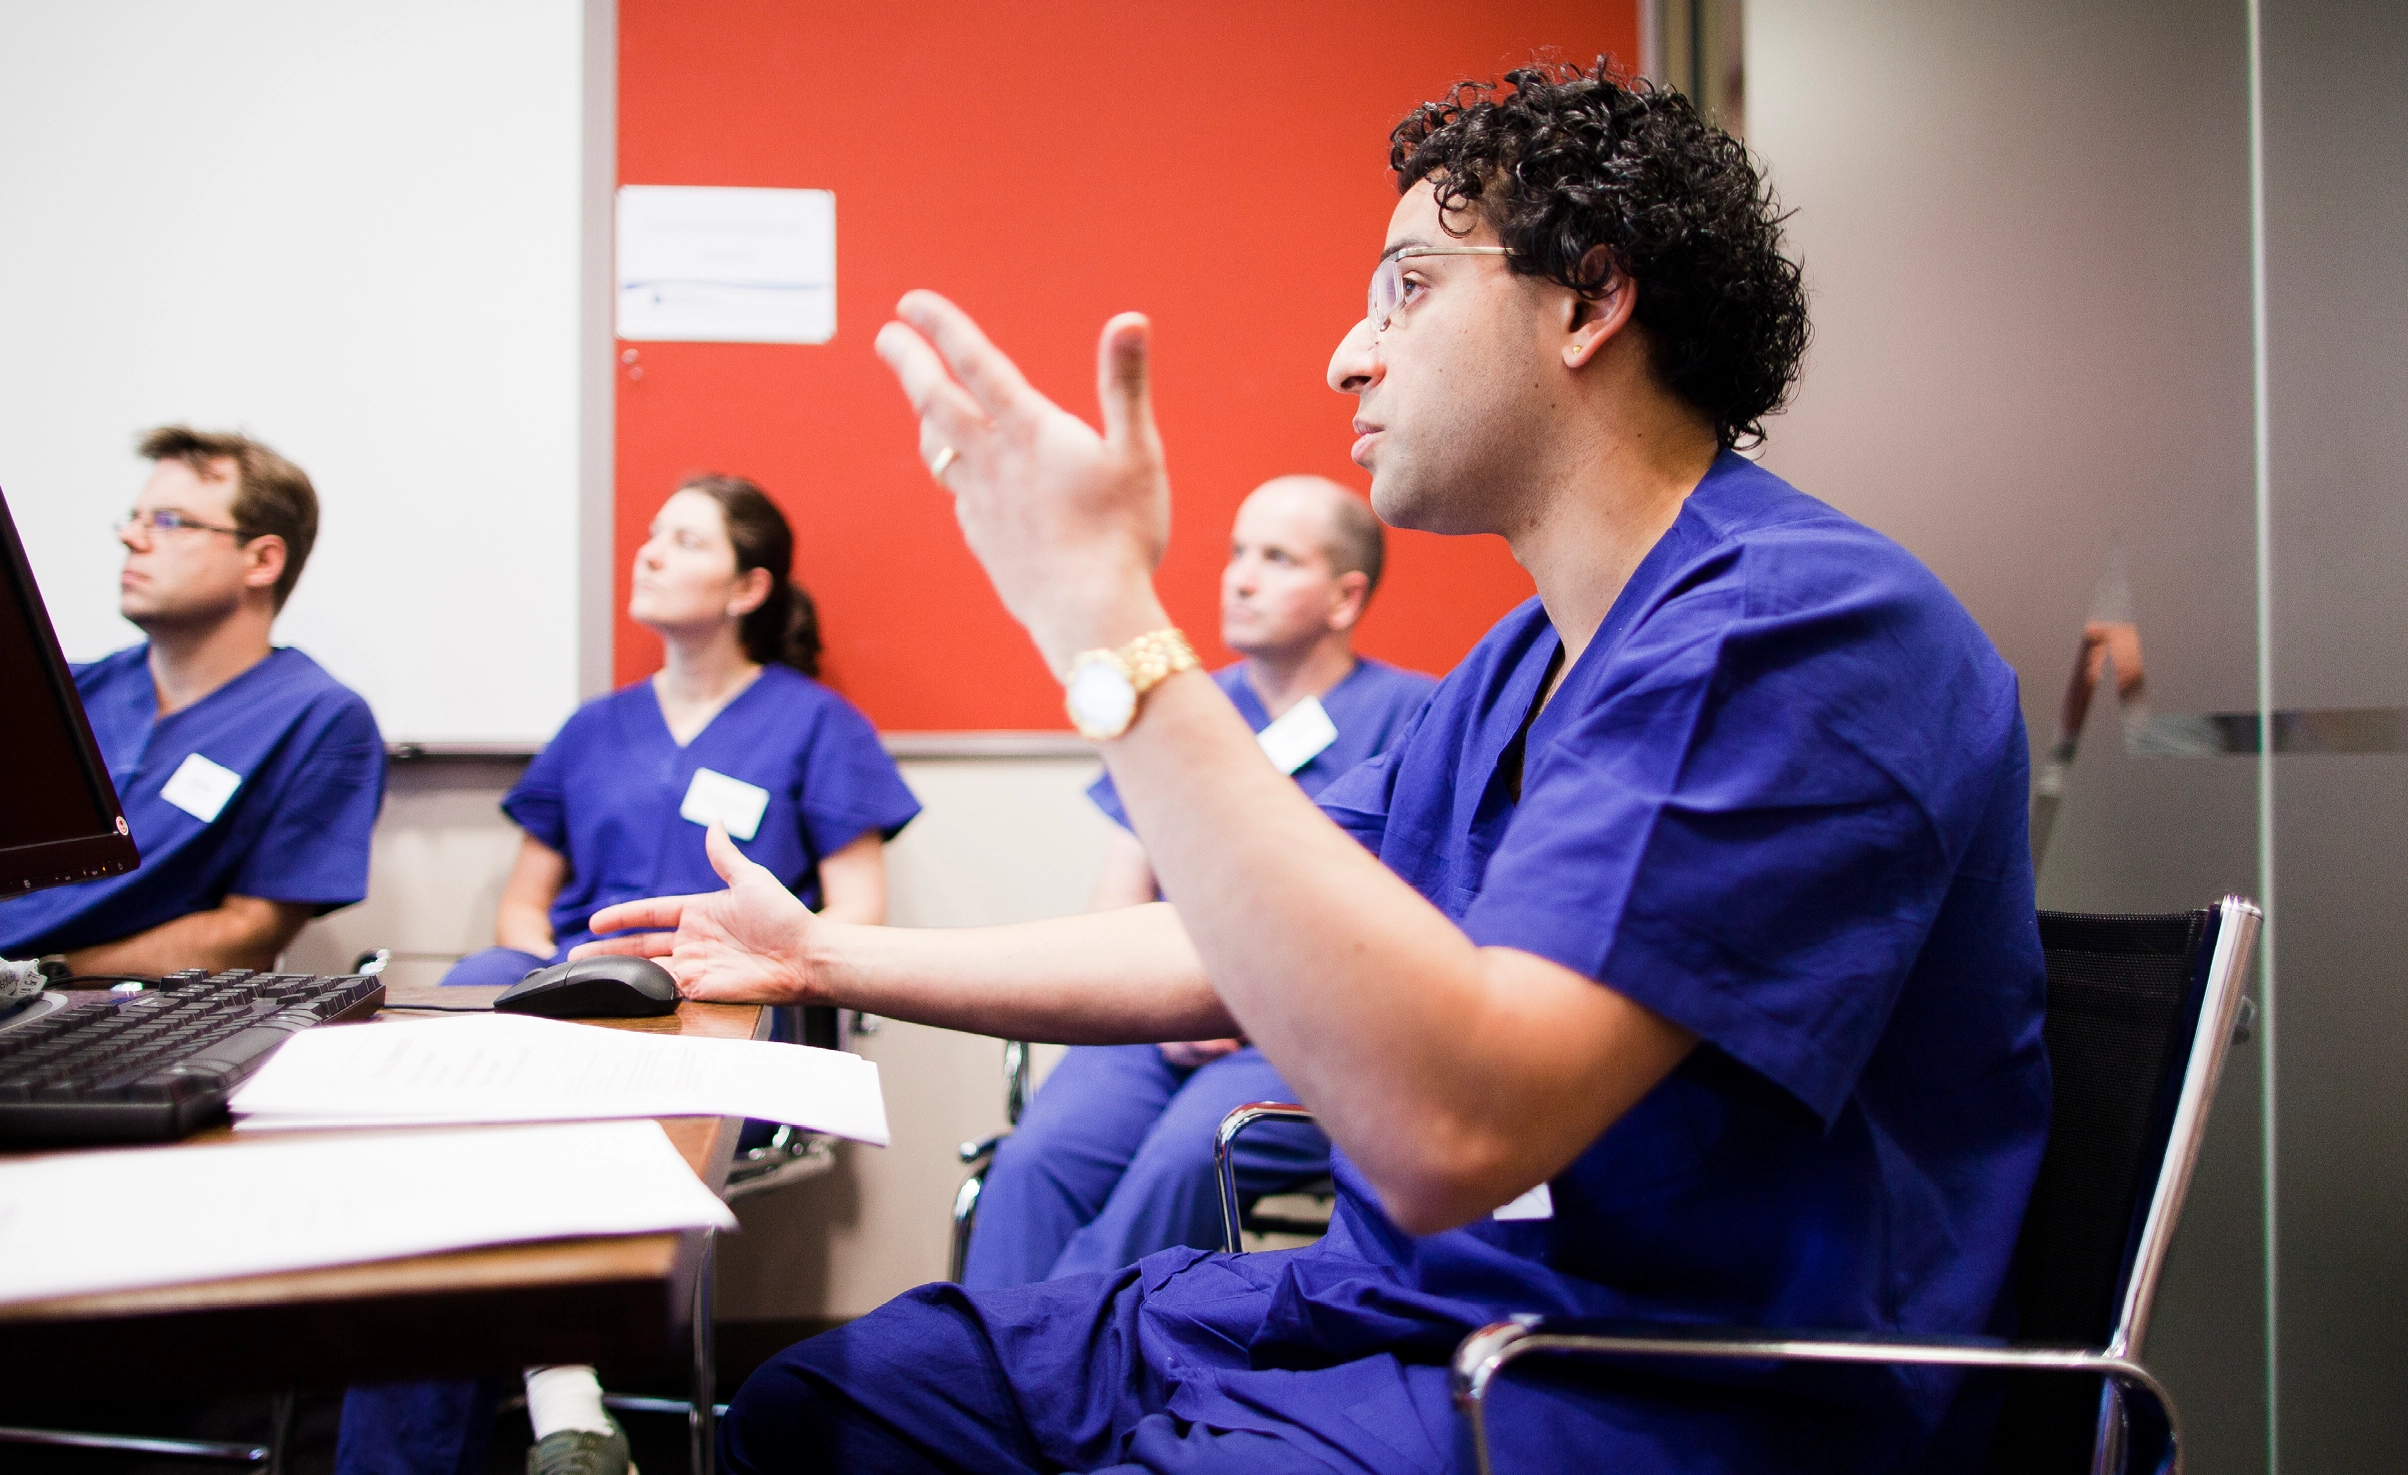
{"x": 786, "y": 626}
{"x": 1570, "y": 160}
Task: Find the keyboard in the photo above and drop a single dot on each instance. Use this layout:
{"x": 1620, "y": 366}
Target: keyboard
{"x": 154, "y": 1065}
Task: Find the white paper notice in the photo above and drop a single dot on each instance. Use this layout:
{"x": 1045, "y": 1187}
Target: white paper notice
{"x": 704, "y": 265}
{"x": 78, "y": 1223}
{"x": 1299, "y": 735}
{"x": 731, "y": 801}
{"x": 517, "y": 1068}
{"x": 201, "y": 788}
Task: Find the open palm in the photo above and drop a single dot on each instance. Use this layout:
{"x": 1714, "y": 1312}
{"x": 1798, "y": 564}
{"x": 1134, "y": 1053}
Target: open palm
{"x": 742, "y": 945}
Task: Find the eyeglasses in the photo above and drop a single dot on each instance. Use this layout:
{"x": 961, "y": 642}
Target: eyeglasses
{"x": 1388, "y": 278}
{"x": 168, "y": 520}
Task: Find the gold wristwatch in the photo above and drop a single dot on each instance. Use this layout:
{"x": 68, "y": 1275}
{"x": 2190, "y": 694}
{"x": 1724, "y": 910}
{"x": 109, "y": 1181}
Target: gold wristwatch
{"x": 1105, "y": 686}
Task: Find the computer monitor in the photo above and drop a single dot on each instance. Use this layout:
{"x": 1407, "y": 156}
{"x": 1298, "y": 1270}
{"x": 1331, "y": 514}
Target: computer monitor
{"x": 59, "y": 816}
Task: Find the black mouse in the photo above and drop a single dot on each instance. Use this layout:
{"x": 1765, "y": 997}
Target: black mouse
{"x": 606, "y": 986}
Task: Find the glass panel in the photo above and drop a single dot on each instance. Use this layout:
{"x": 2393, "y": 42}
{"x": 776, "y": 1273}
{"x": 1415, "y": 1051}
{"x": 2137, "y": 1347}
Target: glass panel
{"x": 2026, "y": 228}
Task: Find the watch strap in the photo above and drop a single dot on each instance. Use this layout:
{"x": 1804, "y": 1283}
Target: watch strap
{"x": 1155, "y": 657}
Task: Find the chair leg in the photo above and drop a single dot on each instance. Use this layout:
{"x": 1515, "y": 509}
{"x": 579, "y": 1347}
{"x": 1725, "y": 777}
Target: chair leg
{"x": 702, "y": 1415}
{"x": 280, "y": 1433}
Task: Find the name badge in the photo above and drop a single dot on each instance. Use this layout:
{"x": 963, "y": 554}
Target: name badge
{"x": 731, "y": 801}
{"x": 1538, "y": 1203}
{"x": 1299, "y": 736}
{"x": 201, "y": 788}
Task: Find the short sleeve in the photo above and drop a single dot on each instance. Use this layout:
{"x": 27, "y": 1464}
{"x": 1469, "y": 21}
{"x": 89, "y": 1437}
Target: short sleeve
{"x": 314, "y": 847}
{"x": 1358, "y": 799}
{"x": 538, "y": 802}
{"x": 849, "y": 784}
{"x": 1713, "y": 835}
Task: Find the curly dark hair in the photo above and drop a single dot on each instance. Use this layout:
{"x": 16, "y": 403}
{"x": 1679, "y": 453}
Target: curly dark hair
{"x": 1570, "y": 160}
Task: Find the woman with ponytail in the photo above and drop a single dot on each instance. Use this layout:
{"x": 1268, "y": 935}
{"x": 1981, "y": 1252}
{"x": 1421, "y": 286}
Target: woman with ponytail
{"x": 734, "y": 727}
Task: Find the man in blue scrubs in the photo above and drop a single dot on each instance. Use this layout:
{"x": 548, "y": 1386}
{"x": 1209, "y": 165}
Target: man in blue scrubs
{"x": 1678, "y": 965}
{"x": 251, "y": 779}
{"x": 1114, "y": 1159}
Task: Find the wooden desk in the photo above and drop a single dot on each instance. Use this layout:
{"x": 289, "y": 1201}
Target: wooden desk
{"x": 623, "y": 1299}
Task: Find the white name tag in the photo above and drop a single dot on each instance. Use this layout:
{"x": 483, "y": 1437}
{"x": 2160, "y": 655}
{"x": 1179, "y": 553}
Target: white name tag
{"x": 1299, "y": 735}
{"x": 1538, "y": 1203}
{"x": 201, "y": 788}
{"x": 731, "y": 801}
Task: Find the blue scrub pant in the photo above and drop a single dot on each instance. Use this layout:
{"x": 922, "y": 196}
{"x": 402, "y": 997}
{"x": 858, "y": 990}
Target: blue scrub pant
{"x": 418, "y": 1428}
{"x": 495, "y": 967}
{"x": 1113, "y": 1161}
{"x": 1150, "y": 1369}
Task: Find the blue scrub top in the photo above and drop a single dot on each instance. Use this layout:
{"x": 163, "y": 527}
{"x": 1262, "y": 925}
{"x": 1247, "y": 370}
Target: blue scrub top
{"x": 296, "y": 829}
{"x": 606, "y": 792}
{"x": 1780, "y": 800}
{"x": 1369, "y": 708}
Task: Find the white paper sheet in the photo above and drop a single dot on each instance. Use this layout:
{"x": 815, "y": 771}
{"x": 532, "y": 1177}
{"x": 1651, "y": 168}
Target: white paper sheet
{"x": 704, "y": 264}
{"x": 515, "y": 1068}
{"x": 84, "y": 1222}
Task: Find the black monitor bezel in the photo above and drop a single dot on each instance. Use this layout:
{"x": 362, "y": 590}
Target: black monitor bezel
{"x": 26, "y": 868}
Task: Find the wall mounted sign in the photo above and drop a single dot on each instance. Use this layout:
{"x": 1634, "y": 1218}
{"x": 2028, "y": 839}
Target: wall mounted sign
{"x": 709, "y": 265}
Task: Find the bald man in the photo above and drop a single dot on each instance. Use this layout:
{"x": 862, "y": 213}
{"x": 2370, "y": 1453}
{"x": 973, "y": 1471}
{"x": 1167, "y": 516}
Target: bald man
{"x": 1113, "y": 1159}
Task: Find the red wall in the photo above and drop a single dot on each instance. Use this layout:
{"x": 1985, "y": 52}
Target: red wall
{"x": 1046, "y": 164}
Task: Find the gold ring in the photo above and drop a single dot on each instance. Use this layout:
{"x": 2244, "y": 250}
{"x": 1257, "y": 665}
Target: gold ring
{"x": 943, "y": 462}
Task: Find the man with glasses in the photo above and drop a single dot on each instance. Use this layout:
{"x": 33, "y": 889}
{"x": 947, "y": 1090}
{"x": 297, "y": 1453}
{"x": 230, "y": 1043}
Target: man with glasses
{"x": 251, "y": 779}
{"x": 1678, "y": 966}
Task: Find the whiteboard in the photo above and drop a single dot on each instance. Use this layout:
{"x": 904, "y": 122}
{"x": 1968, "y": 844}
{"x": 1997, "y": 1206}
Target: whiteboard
{"x": 357, "y": 233}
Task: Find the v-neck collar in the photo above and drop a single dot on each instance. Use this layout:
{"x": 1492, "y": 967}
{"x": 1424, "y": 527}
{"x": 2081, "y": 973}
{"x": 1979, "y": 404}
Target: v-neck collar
{"x": 1245, "y": 684}
{"x": 1530, "y": 670}
{"x": 660, "y": 715}
{"x": 147, "y": 689}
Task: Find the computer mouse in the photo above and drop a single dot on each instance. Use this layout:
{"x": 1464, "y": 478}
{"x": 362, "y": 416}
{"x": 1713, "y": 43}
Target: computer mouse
{"x": 606, "y": 986}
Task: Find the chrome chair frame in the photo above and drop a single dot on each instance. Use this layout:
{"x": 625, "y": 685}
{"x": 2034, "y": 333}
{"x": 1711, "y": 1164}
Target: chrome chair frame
{"x": 2224, "y": 1016}
{"x": 1224, "y": 1160}
{"x": 979, "y": 1156}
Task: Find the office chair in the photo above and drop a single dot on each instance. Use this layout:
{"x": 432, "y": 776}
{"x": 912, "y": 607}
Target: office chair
{"x": 2141, "y": 1013}
{"x": 980, "y": 1155}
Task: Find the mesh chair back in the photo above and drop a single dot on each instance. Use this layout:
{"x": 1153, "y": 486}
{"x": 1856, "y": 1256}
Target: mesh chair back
{"x": 2124, "y": 995}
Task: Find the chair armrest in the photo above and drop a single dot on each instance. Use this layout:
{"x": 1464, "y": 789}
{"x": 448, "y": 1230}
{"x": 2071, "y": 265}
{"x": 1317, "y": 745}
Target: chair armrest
{"x": 984, "y": 1147}
{"x": 1225, "y": 1166}
{"x": 1480, "y": 1357}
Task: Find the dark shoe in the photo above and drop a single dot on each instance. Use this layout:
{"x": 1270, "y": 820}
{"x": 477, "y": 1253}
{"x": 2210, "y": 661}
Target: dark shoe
{"x": 580, "y": 1452}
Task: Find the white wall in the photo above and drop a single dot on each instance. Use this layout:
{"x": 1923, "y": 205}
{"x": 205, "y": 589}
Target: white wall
{"x": 359, "y": 233}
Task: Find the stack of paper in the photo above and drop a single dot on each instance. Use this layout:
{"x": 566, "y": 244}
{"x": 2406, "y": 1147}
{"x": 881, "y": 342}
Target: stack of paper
{"x": 78, "y": 1223}
{"x": 514, "y": 1068}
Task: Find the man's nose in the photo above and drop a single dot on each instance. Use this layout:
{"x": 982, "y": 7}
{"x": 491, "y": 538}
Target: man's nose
{"x": 1355, "y": 362}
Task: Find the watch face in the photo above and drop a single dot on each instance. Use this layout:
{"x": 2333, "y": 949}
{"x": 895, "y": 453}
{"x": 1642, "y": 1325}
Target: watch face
{"x": 1101, "y": 700}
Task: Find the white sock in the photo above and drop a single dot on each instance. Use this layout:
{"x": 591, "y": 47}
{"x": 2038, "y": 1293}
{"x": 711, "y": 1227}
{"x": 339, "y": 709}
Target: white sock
{"x": 565, "y": 1398}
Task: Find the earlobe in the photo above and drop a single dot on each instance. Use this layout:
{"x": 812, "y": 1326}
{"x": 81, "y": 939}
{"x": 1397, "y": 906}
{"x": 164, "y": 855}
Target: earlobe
{"x": 1597, "y": 319}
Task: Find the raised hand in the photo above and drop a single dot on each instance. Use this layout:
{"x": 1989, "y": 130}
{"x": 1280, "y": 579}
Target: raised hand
{"x": 1069, "y": 524}
{"x": 743, "y": 945}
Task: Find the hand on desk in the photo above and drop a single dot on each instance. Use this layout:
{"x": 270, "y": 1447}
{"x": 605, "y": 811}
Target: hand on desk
{"x": 744, "y": 945}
